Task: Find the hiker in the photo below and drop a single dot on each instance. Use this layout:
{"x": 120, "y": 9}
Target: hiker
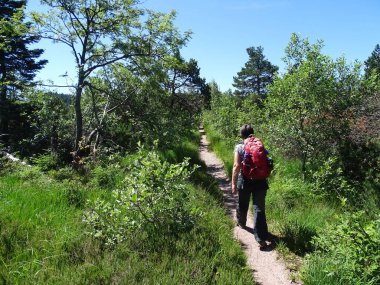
{"x": 245, "y": 187}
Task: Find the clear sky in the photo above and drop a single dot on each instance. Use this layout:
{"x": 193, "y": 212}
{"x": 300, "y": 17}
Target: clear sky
{"x": 223, "y": 29}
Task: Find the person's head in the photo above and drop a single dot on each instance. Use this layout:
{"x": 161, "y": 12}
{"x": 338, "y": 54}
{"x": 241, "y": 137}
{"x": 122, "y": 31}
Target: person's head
{"x": 246, "y": 130}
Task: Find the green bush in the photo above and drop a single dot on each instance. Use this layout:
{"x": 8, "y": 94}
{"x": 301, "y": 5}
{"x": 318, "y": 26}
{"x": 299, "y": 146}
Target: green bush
{"x": 4, "y": 163}
{"x": 47, "y": 162}
{"x": 106, "y": 177}
{"x": 350, "y": 250}
{"x": 329, "y": 178}
{"x": 26, "y": 172}
{"x": 65, "y": 173}
{"x": 152, "y": 201}
{"x": 74, "y": 195}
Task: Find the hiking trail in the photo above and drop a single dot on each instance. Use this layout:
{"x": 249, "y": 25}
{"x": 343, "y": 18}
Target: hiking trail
{"x": 266, "y": 266}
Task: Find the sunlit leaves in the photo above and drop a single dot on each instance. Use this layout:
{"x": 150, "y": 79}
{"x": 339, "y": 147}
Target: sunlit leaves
{"x": 310, "y": 103}
{"x": 153, "y": 199}
{"x": 351, "y": 248}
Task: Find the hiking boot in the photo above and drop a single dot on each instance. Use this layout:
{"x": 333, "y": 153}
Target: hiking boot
{"x": 271, "y": 238}
{"x": 262, "y": 244}
{"x": 242, "y": 226}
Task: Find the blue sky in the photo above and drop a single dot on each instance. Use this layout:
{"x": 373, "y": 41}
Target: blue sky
{"x": 223, "y": 29}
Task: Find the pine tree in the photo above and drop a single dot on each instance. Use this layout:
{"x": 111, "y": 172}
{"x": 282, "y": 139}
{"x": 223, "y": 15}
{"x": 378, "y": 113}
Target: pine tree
{"x": 18, "y": 64}
{"x": 372, "y": 64}
{"x": 257, "y": 73}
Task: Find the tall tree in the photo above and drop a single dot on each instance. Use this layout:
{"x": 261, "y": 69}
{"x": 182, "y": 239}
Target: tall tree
{"x": 256, "y": 74}
{"x": 103, "y": 32}
{"x": 184, "y": 78}
{"x": 310, "y": 105}
{"x": 18, "y": 63}
{"x": 372, "y": 64}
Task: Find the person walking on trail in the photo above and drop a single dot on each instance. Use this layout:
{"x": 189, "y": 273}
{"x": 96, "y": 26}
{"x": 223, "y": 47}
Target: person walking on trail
{"x": 246, "y": 186}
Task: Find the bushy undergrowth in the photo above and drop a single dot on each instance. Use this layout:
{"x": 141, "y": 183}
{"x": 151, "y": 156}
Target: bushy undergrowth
{"x": 153, "y": 199}
{"x": 43, "y": 239}
{"x": 348, "y": 252}
{"x": 330, "y": 181}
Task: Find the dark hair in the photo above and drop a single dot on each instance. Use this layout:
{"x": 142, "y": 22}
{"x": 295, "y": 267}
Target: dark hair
{"x": 246, "y": 130}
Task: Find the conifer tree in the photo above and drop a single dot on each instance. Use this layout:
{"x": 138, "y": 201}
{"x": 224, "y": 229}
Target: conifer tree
{"x": 257, "y": 73}
{"x": 372, "y": 64}
{"x": 18, "y": 63}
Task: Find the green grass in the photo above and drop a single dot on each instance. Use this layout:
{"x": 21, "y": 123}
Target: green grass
{"x": 314, "y": 273}
{"x": 224, "y": 149}
{"x": 294, "y": 213}
{"x": 43, "y": 239}
{"x": 37, "y": 224}
{"x": 188, "y": 147}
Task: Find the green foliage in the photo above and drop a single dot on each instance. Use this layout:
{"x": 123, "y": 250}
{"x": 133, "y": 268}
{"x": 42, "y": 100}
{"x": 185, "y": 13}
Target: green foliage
{"x": 372, "y": 64}
{"x": 183, "y": 76}
{"x": 51, "y": 120}
{"x": 47, "y": 162}
{"x": 253, "y": 114}
{"x": 153, "y": 199}
{"x": 223, "y": 115}
{"x": 166, "y": 116}
{"x": 257, "y": 73}
{"x": 350, "y": 249}
{"x": 18, "y": 63}
{"x": 104, "y": 33}
{"x": 297, "y": 235}
{"x": 307, "y": 108}
{"x": 35, "y": 221}
{"x": 42, "y": 239}
{"x": 294, "y": 212}
{"x": 63, "y": 173}
{"x": 74, "y": 194}
{"x": 222, "y": 146}
{"x": 330, "y": 181}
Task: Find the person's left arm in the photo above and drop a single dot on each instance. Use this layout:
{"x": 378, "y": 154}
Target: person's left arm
{"x": 235, "y": 172}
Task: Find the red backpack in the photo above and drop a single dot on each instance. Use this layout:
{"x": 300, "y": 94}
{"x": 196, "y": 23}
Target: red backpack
{"x": 255, "y": 160}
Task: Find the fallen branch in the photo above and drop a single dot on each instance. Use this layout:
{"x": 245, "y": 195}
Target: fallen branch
{"x": 15, "y": 159}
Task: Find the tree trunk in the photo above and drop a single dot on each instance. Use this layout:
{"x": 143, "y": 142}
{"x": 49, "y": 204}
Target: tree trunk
{"x": 54, "y": 140}
{"x": 78, "y": 112}
{"x": 78, "y": 118}
{"x": 4, "y": 131}
{"x": 78, "y": 153}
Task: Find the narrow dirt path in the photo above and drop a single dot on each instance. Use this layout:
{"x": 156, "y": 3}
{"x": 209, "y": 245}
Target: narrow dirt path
{"x": 266, "y": 266}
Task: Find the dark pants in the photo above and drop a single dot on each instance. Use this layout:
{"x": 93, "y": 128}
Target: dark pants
{"x": 258, "y": 190}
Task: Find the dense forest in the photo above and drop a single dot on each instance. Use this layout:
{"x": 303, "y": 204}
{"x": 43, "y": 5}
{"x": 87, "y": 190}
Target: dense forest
{"x": 115, "y": 185}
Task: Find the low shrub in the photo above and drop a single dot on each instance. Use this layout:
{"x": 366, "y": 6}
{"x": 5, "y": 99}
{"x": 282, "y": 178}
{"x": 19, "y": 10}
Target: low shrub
{"x": 153, "y": 200}
{"x": 47, "y": 162}
{"x": 65, "y": 173}
{"x": 350, "y": 251}
{"x": 329, "y": 178}
{"x": 74, "y": 195}
{"x": 26, "y": 172}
